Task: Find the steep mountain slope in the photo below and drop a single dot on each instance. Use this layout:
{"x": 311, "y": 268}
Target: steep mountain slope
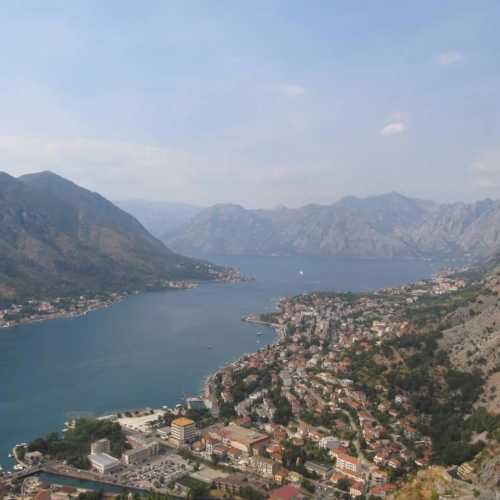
{"x": 389, "y": 225}
{"x": 227, "y": 229}
{"x": 56, "y": 237}
{"x": 473, "y": 339}
{"x": 459, "y": 228}
{"x": 160, "y": 218}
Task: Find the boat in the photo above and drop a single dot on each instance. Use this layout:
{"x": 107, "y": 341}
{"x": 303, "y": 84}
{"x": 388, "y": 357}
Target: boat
{"x": 259, "y": 334}
{"x": 210, "y": 347}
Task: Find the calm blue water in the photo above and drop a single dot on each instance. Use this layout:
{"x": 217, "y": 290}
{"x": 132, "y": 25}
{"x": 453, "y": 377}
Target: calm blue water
{"x": 151, "y": 350}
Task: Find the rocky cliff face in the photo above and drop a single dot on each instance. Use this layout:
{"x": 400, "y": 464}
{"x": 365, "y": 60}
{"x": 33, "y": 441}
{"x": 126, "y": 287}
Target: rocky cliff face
{"x": 473, "y": 339}
{"x": 390, "y": 226}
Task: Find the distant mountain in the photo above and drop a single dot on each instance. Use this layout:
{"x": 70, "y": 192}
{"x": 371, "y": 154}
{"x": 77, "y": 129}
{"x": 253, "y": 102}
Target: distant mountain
{"x": 56, "y": 237}
{"x": 390, "y": 225}
{"x": 160, "y": 218}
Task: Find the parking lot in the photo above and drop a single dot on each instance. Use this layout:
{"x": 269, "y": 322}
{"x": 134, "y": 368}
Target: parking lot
{"x": 159, "y": 471}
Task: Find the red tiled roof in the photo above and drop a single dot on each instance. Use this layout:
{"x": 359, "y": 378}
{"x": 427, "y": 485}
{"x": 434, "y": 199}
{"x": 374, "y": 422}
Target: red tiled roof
{"x": 285, "y": 493}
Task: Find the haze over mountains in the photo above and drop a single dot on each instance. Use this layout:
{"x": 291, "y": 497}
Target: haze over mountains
{"x": 56, "y": 237}
{"x": 385, "y": 226}
{"x": 160, "y": 218}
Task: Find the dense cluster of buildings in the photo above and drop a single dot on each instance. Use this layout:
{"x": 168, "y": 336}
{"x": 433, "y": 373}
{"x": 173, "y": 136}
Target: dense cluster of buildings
{"x": 347, "y": 436}
{"x": 292, "y": 418}
{"x": 102, "y": 461}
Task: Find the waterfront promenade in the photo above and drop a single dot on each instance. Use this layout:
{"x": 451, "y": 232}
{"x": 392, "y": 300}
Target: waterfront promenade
{"x": 65, "y": 471}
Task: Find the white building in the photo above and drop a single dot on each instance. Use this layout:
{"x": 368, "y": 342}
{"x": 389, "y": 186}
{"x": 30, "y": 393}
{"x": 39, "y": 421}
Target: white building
{"x": 138, "y": 455}
{"x": 346, "y": 462}
{"x": 100, "y": 446}
{"x": 329, "y": 442}
{"x": 104, "y": 463}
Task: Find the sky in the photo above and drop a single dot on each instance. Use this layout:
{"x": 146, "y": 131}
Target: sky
{"x": 261, "y": 103}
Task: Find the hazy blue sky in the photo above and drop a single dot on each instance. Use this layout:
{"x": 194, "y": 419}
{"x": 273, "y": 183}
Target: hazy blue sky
{"x": 260, "y": 103}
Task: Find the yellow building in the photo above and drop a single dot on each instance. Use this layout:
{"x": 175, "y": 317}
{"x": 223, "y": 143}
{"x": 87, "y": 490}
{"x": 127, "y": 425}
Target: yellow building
{"x": 183, "y": 431}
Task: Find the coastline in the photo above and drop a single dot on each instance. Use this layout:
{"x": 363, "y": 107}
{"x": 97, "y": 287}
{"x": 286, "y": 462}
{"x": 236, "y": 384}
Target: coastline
{"x": 107, "y": 300}
{"x": 278, "y": 328}
{"x": 280, "y": 331}
{"x": 204, "y": 379}
{"x": 66, "y": 314}
{"x": 264, "y": 359}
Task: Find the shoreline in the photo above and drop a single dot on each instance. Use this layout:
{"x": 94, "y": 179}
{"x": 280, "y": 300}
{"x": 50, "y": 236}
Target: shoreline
{"x": 65, "y": 315}
{"x": 280, "y": 331}
{"x": 113, "y": 298}
{"x": 278, "y": 328}
{"x": 203, "y": 380}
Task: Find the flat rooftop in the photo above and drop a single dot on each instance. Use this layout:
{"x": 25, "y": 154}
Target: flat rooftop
{"x": 240, "y": 434}
{"x": 141, "y": 423}
{"x": 103, "y": 459}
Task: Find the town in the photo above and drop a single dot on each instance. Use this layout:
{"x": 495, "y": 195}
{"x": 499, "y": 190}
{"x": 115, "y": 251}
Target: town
{"x": 32, "y": 310}
{"x": 306, "y": 417}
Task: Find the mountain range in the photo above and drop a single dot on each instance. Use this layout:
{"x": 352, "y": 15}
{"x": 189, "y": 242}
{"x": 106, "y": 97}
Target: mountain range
{"x": 385, "y": 226}
{"x": 160, "y": 218}
{"x": 56, "y": 237}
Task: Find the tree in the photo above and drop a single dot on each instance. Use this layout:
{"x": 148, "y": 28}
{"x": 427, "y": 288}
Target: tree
{"x": 21, "y": 452}
{"x": 308, "y": 486}
{"x": 74, "y": 446}
{"x": 250, "y": 494}
{"x": 226, "y": 410}
{"x": 343, "y": 484}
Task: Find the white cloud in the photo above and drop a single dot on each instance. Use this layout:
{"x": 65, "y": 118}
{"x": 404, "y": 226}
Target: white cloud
{"x": 293, "y": 90}
{"x": 290, "y": 90}
{"x": 448, "y": 58}
{"x": 393, "y": 128}
{"x": 486, "y": 170}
